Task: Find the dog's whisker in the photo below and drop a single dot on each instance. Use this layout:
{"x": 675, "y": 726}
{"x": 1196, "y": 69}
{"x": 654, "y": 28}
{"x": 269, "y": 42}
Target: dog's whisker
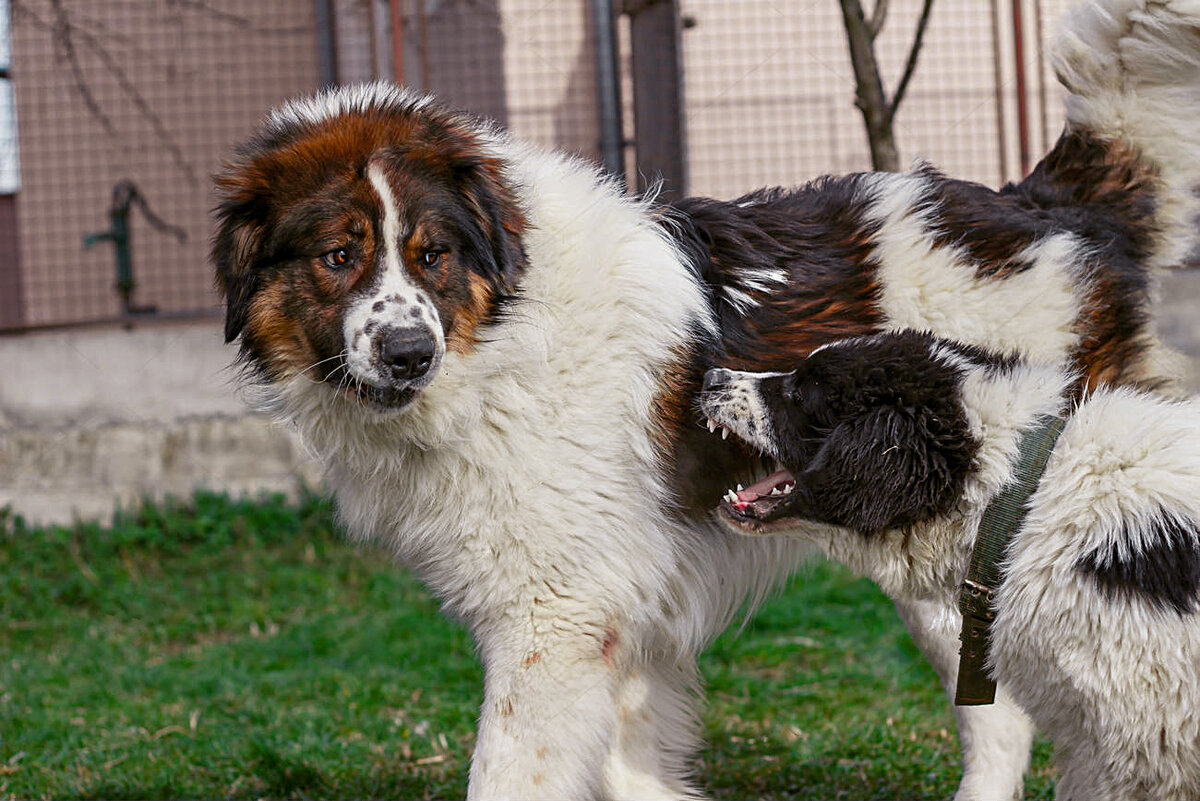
{"x": 340, "y": 355}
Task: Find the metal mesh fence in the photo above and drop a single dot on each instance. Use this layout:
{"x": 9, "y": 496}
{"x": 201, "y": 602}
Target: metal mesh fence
{"x": 528, "y": 64}
{"x": 108, "y": 96}
{"x": 770, "y": 91}
{"x": 149, "y": 92}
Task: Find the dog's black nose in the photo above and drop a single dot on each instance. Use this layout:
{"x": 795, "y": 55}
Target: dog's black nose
{"x": 716, "y": 378}
{"x": 409, "y": 352}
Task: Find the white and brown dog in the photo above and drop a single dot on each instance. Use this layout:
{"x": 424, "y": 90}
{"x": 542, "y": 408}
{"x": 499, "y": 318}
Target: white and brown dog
{"x": 495, "y": 353}
{"x": 893, "y": 446}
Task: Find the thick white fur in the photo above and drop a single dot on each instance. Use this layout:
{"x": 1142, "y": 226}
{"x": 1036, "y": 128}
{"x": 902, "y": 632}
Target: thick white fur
{"x": 523, "y": 485}
{"x": 1114, "y": 681}
{"x": 930, "y": 288}
{"x": 1133, "y": 71}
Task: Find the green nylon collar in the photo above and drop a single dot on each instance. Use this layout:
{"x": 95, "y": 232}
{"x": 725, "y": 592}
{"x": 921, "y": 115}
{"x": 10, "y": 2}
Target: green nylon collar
{"x": 1002, "y": 518}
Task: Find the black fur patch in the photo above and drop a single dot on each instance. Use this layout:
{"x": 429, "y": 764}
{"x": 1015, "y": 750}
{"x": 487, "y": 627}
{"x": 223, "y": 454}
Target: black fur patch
{"x": 816, "y": 236}
{"x": 875, "y": 433}
{"x": 990, "y": 228}
{"x": 1165, "y": 575}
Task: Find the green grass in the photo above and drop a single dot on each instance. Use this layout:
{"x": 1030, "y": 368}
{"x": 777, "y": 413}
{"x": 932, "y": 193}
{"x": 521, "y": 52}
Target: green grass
{"x": 240, "y": 649}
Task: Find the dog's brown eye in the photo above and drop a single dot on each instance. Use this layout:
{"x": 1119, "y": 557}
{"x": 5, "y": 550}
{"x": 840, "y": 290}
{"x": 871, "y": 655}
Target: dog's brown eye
{"x": 337, "y": 259}
{"x": 432, "y": 258}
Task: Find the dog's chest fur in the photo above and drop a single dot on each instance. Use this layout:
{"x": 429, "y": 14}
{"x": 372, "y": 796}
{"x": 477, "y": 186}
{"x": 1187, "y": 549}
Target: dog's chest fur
{"x": 536, "y": 454}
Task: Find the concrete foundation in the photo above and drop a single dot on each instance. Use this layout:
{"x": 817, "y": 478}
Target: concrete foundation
{"x": 93, "y": 419}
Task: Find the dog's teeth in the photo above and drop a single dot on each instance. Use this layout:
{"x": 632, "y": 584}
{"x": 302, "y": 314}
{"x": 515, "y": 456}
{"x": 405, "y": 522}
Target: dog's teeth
{"x": 724, "y": 433}
{"x": 788, "y": 488}
{"x": 731, "y": 496}
{"x": 776, "y": 491}
{"x": 740, "y": 487}
{"x": 712, "y": 426}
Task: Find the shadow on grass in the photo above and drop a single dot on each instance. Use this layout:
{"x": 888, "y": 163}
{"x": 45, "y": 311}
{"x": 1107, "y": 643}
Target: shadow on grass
{"x": 282, "y": 776}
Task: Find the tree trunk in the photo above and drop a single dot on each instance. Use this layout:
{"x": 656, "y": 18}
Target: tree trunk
{"x": 879, "y": 113}
{"x": 869, "y": 95}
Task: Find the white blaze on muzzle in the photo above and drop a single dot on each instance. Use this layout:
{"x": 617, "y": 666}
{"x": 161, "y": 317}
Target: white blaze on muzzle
{"x": 733, "y": 399}
{"x": 393, "y": 335}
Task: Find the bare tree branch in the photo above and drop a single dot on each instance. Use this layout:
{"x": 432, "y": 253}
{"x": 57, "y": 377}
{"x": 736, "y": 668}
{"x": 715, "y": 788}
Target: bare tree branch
{"x": 869, "y": 95}
{"x": 61, "y": 32}
{"x": 910, "y": 66}
{"x": 879, "y": 112}
{"x": 76, "y": 35}
{"x": 142, "y": 105}
{"x": 216, "y": 13}
{"x": 239, "y": 21}
{"x": 65, "y": 33}
{"x": 878, "y": 17}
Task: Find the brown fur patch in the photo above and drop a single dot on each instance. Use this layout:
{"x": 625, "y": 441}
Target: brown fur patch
{"x": 674, "y": 401}
{"x": 281, "y": 337}
{"x": 801, "y": 324}
{"x": 462, "y": 336}
{"x": 1095, "y": 170}
{"x": 1113, "y": 339}
{"x": 1116, "y": 186}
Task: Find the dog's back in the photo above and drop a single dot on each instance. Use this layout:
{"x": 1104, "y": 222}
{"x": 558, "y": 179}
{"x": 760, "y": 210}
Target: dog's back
{"x": 1098, "y": 620}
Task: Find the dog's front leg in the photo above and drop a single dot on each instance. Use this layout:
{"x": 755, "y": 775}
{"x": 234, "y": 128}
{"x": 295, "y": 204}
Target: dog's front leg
{"x": 548, "y": 710}
{"x": 652, "y": 752}
{"x": 996, "y": 738}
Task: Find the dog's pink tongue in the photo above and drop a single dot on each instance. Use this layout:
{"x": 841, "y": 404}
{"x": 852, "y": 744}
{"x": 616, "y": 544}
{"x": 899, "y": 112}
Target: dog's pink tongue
{"x": 764, "y": 487}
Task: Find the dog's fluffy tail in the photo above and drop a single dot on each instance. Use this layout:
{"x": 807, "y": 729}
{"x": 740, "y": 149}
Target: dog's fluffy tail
{"x": 1132, "y": 68}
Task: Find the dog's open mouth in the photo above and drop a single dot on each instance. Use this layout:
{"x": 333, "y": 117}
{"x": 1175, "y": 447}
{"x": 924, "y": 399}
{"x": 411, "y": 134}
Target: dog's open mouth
{"x": 763, "y": 502}
{"x": 765, "y": 505}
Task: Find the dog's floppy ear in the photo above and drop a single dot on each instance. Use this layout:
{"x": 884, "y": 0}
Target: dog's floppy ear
{"x": 890, "y": 466}
{"x": 496, "y": 211}
{"x": 241, "y": 217}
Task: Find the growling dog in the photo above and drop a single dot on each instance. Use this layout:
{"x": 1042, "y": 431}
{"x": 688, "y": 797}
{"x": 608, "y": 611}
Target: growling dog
{"x": 898, "y": 442}
{"x": 496, "y": 353}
